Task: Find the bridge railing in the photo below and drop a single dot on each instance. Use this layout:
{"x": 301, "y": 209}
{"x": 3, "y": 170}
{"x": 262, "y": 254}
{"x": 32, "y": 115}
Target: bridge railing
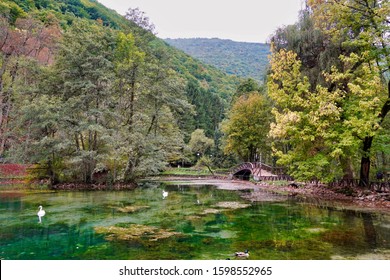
{"x": 274, "y": 170}
{"x": 256, "y": 168}
{"x": 277, "y": 178}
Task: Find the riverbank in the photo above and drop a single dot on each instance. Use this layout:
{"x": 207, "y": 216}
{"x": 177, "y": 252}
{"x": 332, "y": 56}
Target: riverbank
{"x": 92, "y": 187}
{"x": 354, "y": 198}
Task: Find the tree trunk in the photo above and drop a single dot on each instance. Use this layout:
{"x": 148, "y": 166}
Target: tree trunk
{"x": 348, "y": 172}
{"x": 53, "y": 180}
{"x": 129, "y": 171}
{"x": 367, "y": 143}
{"x": 365, "y": 163}
{"x": 132, "y": 97}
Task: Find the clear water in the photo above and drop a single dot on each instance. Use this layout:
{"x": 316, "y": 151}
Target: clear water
{"x": 193, "y": 222}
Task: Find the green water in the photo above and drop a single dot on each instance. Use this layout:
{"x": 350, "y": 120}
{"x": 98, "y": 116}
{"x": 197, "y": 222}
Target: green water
{"x": 193, "y": 222}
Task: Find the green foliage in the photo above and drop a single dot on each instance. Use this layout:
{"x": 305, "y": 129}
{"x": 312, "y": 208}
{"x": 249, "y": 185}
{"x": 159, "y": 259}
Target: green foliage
{"x": 247, "y": 60}
{"x": 315, "y": 51}
{"x": 205, "y": 161}
{"x": 246, "y": 128}
{"x": 322, "y": 128}
{"x": 193, "y": 171}
{"x": 209, "y": 108}
{"x": 248, "y": 86}
{"x": 364, "y": 27}
{"x": 11, "y": 11}
{"x": 199, "y": 143}
{"x": 115, "y": 101}
{"x": 327, "y": 82}
{"x": 208, "y": 89}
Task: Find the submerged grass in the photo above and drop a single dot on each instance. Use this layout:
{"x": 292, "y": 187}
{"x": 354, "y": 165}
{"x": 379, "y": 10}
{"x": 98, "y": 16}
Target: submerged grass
{"x": 135, "y": 232}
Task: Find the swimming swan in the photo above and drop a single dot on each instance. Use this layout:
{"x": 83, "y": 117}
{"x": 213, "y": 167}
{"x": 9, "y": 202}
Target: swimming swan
{"x": 41, "y": 213}
{"x": 242, "y": 254}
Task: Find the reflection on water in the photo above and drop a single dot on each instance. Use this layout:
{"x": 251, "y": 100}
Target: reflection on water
{"x": 192, "y": 222}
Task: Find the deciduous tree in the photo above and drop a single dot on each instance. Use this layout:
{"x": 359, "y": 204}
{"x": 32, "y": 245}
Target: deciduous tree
{"x": 365, "y": 25}
{"x": 246, "y": 129}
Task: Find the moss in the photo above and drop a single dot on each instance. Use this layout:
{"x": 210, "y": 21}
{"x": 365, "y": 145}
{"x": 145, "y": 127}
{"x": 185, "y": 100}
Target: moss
{"x": 211, "y": 211}
{"x": 131, "y": 209}
{"x": 232, "y": 205}
{"x": 135, "y": 232}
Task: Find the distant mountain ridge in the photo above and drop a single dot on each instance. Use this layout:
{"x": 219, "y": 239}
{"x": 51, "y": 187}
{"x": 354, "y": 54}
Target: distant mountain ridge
{"x": 248, "y": 60}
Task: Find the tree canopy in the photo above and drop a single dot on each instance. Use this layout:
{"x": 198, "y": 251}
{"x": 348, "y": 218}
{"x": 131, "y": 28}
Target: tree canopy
{"x": 85, "y": 91}
{"x": 329, "y": 83}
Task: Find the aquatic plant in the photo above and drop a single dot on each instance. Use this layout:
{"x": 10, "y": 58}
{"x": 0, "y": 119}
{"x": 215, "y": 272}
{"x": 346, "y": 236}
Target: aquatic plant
{"x": 135, "y": 232}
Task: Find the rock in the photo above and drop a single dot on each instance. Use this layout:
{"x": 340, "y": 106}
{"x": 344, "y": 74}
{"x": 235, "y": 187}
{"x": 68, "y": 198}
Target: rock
{"x": 294, "y": 185}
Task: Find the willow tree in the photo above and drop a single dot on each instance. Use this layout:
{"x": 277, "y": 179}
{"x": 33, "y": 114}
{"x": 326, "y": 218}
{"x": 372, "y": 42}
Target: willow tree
{"x": 365, "y": 25}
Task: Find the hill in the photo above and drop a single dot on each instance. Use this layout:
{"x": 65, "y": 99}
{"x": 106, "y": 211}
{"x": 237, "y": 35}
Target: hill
{"x": 85, "y": 92}
{"x": 248, "y": 60}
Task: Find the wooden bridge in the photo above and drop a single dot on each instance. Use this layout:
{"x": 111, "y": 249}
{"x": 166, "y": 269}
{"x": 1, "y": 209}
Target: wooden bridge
{"x": 258, "y": 171}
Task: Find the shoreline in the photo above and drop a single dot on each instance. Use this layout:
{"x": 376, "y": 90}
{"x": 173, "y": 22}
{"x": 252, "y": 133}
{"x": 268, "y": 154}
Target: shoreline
{"x": 343, "y": 198}
{"x": 351, "y": 198}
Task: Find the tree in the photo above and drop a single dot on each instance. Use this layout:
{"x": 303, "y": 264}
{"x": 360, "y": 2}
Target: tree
{"x": 139, "y": 18}
{"x": 148, "y": 94}
{"x": 247, "y": 86}
{"x": 129, "y": 63}
{"x": 247, "y": 127}
{"x": 366, "y": 26}
{"x": 109, "y": 101}
{"x": 313, "y": 48}
{"x": 321, "y": 128}
{"x": 209, "y": 109}
{"x": 81, "y": 79}
{"x": 199, "y": 143}
{"x": 28, "y": 38}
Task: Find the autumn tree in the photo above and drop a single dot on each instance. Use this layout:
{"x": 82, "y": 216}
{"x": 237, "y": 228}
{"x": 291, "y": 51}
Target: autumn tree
{"x": 321, "y": 129}
{"x": 334, "y": 56}
{"x": 365, "y": 25}
{"x": 20, "y": 41}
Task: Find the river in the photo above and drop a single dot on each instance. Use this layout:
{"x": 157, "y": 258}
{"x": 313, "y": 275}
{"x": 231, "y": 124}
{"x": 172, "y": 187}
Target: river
{"x": 193, "y": 222}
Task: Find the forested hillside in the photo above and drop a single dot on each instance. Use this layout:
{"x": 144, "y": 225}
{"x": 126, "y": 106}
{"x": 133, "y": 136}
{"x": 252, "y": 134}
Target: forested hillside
{"x": 248, "y": 60}
{"x": 85, "y": 91}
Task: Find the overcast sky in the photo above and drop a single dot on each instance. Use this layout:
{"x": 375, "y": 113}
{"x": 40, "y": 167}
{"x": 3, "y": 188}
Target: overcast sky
{"x": 238, "y": 20}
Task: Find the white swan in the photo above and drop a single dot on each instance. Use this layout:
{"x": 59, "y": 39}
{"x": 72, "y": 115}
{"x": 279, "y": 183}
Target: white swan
{"x": 244, "y": 254}
{"x": 41, "y": 213}
{"x": 164, "y": 194}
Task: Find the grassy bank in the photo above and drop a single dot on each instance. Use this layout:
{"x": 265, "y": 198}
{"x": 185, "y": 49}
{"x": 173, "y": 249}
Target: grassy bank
{"x": 193, "y": 172}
